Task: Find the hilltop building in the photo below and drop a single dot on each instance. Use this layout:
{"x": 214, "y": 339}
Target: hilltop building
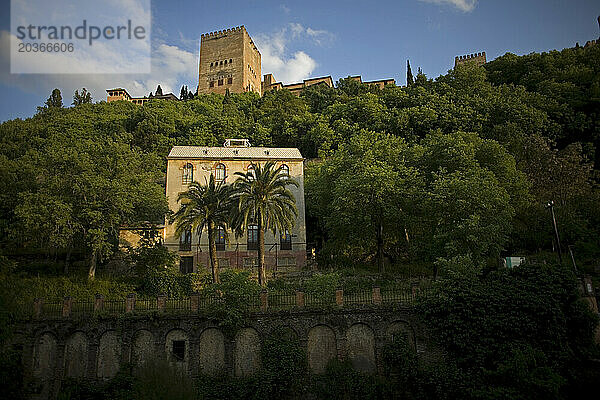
{"x": 477, "y": 58}
{"x": 269, "y": 83}
{"x": 229, "y": 60}
{"x": 121, "y": 94}
{"x": 185, "y": 164}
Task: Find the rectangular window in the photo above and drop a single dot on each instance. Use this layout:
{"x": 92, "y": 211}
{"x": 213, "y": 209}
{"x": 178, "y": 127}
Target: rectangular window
{"x": 187, "y": 175}
{"x": 178, "y": 350}
{"x": 211, "y": 84}
{"x": 250, "y": 262}
{"x": 253, "y": 237}
{"x": 229, "y": 81}
{"x": 224, "y": 263}
{"x": 186, "y": 264}
{"x": 286, "y": 240}
{"x": 220, "y": 239}
{"x": 286, "y": 262}
{"x": 185, "y": 241}
{"x": 220, "y": 82}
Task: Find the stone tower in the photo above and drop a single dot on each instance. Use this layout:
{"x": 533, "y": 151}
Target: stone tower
{"x": 230, "y": 60}
{"x": 477, "y": 58}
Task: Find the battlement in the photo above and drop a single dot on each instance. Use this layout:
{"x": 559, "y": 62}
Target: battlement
{"x": 478, "y": 58}
{"x": 224, "y": 32}
{"x": 591, "y": 43}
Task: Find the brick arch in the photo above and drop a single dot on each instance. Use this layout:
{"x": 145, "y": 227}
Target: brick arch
{"x": 211, "y": 355}
{"x": 109, "y": 355}
{"x": 45, "y": 355}
{"x": 287, "y": 330}
{"x": 401, "y": 327}
{"x": 76, "y": 355}
{"x": 246, "y": 355}
{"x": 142, "y": 347}
{"x": 321, "y": 347}
{"x": 177, "y": 335}
{"x": 360, "y": 339}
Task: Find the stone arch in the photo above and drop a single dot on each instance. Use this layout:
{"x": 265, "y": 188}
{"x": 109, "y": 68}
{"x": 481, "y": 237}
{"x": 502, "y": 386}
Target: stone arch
{"x": 285, "y": 332}
{"x": 44, "y": 356}
{"x": 403, "y": 329}
{"x": 76, "y": 355}
{"x": 177, "y": 347}
{"x": 361, "y": 347}
{"x": 246, "y": 356}
{"x": 211, "y": 354}
{"x": 321, "y": 348}
{"x": 142, "y": 348}
{"x": 109, "y": 355}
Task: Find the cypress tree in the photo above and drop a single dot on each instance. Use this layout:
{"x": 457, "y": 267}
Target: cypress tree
{"x": 409, "y": 75}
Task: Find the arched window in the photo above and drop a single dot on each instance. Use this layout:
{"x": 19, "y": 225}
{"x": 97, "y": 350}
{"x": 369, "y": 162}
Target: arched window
{"x": 285, "y": 170}
{"x": 251, "y": 170}
{"x": 188, "y": 174}
{"x": 220, "y": 173}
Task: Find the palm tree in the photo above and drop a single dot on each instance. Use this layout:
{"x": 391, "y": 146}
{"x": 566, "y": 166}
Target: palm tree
{"x": 263, "y": 199}
{"x": 205, "y": 206}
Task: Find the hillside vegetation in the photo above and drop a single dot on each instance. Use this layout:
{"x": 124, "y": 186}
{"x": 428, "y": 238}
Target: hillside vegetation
{"x": 444, "y": 177}
{"x": 459, "y": 166}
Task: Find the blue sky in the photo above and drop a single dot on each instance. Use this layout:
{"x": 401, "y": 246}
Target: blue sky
{"x": 316, "y": 38}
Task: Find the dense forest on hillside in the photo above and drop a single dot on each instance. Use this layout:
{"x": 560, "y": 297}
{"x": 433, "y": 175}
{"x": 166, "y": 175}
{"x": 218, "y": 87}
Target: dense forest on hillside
{"x": 445, "y": 175}
{"x": 459, "y": 166}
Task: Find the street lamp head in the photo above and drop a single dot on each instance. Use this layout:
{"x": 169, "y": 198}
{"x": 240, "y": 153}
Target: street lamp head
{"x": 550, "y": 204}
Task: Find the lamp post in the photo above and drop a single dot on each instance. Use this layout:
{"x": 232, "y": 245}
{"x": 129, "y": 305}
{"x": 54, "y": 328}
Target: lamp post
{"x": 550, "y": 205}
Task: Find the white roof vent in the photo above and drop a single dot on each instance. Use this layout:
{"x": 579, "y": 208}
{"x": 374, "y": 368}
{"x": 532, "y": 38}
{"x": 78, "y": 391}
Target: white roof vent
{"x": 236, "y": 143}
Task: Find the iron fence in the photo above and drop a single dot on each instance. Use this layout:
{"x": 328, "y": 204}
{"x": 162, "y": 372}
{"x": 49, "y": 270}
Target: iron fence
{"x": 282, "y": 301}
{"x": 359, "y": 298}
{"x": 82, "y": 308}
{"x": 178, "y": 304}
{"x": 52, "y": 309}
{"x": 275, "y": 301}
{"x": 114, "y": 306}
{"x": 321, "y": 300}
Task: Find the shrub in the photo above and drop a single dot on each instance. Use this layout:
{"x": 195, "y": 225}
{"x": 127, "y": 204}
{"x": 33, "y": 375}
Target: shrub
{"x": 323, "y": 286}
{"x": 18, "y": 293}
{"x": 236, "y": 293}
{"x": 158, "y": 380}
{"x": 517, "y": 333}
{"x": 341, "y": 381}
{"x": 169, "y": 282}
{"x": 152, "y": 257}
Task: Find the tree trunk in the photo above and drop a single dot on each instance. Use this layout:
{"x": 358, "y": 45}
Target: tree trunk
{"x": 212, "y": 250}
{"x": 380, "y": 248}
{"x": 262, "y": 277}
{"x": 67, "y": 260}
{"x": 92, "y": 270}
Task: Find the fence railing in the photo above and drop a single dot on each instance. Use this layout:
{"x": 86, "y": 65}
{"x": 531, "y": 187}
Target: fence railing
{"x": 204, "y": 302}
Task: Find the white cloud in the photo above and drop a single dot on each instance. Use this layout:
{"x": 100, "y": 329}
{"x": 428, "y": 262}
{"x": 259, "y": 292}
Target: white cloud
{"x": 103, "y": 55}
{"x": 171, "y": 67}
{"x": 463, "y": 5}
{"x": 286, "y": 66}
